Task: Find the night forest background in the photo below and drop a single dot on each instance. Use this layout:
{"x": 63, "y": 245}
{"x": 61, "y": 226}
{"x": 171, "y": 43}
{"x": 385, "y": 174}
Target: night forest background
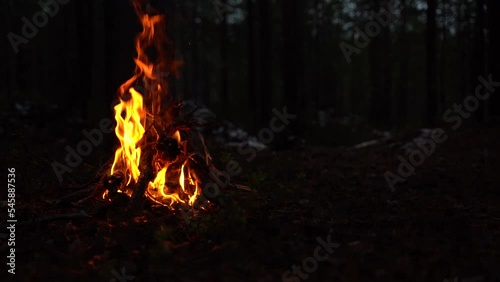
{"x": 359, "y": 117}
{"x": 242, "y": 58}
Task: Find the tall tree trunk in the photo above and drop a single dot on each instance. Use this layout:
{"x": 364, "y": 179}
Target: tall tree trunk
{"x": 387, "y": 69}
{"x": 12, "y": 59}
{"x": 377, "y": 109}
{"x": 223, "y": 65}
{"x": 463, "y": 39}
{"x": 302, "y": 98}
{"x": 443, "y": 58}
{"x": 196, "y": 54}
{"x": 431, "y": 62}
{"x": 190, "y": 50}
{"x": 173, "y": 8}
{"x": 252, "y": 58}
{"x": 317, "y": 70}
{"x": 291, "y": 60}
{"x": 494, "y": 46}
{"x": 479, "y": 52}
{"x": 98, "y": 60}
{"x": 85, "y": 56}
{"x": 266, "y": 85}
{"x": 461, "y": 54}
{"x": 404, "y": 53}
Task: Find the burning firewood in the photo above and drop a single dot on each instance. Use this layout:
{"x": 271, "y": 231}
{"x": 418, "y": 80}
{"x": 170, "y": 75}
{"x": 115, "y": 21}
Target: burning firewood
{"x": 162, "y": 157}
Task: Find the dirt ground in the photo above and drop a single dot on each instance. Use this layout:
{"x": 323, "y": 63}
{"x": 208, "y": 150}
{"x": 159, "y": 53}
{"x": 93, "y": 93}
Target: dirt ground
{"x": 442, "y": 224}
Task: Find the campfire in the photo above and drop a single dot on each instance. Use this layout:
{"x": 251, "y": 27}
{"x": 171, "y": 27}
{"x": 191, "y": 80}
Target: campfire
{"x": 162, "y": 155}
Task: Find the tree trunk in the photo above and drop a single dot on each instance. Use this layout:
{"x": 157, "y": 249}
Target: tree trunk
{"x": 443, "y": 58}
{"x": 479, "y": 52}
{"x": 387, "y": 70}
{"x": 316, "y": 70}
{"x": 252, "y": 58}
{"x": 377, "y": 109}
{"x": 196, "y": 54}
{"x": 404, "y": 53}
{"x": 463, "y": 38}
{"x": 12, "y": 59}
{"x": 84, "y": 55}
{"x": 494, "y": 46}
{"x": 431, "y": 62}
{"x": 223, "y": 66}
{"x": 266, "y": 85}
{"x": 99, "y": 69}
{"x": 290, "y": 58}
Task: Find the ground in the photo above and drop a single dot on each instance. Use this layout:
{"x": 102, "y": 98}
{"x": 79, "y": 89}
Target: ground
{"x": 442, "y": 223}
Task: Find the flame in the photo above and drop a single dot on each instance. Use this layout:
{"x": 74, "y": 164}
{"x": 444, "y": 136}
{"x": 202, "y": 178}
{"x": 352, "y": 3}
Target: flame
{"x": 136, "y": 114}
{"x": 105, "y": 195}
{"x": 158, "y": 191}
{"x": 158, "y": 185}
{"x": 129, "y": 130}
{"x": 195, "y": 195}
{"x": 181, "y": 178}
{"x": 177, "y": 136}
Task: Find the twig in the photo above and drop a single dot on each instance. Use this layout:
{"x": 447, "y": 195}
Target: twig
{"x": 241, "y": 187}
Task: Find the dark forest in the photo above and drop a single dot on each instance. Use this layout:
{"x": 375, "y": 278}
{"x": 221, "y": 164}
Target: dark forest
{"x": 250, "y": 140}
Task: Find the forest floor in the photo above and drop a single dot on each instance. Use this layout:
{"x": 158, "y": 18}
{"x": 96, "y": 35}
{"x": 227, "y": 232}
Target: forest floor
{"x": 442, "y": 223}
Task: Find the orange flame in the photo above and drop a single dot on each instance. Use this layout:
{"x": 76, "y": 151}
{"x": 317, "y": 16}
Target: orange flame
{"x": 134, "y": 114}
{"x": 129, "y": 130}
